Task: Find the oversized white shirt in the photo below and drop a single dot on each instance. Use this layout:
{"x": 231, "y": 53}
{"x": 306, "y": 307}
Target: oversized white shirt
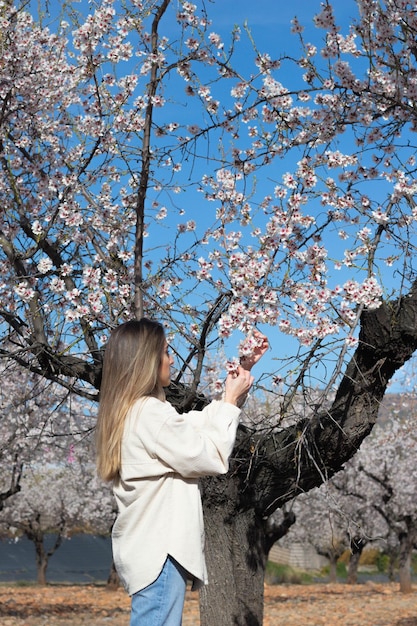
{"x": 160, "y": 512}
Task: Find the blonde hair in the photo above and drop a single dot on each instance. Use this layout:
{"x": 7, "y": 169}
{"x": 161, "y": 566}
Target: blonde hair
{"x": 131, "y": 366}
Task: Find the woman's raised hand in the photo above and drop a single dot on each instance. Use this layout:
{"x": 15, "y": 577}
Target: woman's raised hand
{"x": 237, "y": 386}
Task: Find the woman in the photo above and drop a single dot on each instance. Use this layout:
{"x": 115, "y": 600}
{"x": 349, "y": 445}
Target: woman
{"x": 155, "y": 456}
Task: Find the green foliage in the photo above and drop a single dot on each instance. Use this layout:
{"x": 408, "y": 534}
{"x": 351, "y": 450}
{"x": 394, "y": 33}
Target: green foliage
{"x": 341, "y": 569}
{"x": 382, "y": 562}
{"x": 276, "y": 574}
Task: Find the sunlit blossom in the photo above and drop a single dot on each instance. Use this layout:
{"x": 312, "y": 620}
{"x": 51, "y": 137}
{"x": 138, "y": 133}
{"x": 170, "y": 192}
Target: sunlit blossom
{"x": 24, "y": 291}
{"x": 45, "y": 265}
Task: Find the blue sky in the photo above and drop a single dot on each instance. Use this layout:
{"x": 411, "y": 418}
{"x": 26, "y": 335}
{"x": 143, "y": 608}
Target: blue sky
{"x": 270, "y": 21}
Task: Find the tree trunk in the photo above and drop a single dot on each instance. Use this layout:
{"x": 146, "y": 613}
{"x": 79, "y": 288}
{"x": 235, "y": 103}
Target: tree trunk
{"x": 41, "y": 558}
{"x": 392, "y": 559}
{"x": 407, "y": 542}
{"x": 332, "y": 568}
{"x": 236, "y": 559}
{"x": 113, "y": 580}
{"x": 42, "y": 564}
{"x": 352, "y": 576}
{"x": 357, "y": 545}
{"x": 34, "y": 533}
{"x": 405, "y": 573}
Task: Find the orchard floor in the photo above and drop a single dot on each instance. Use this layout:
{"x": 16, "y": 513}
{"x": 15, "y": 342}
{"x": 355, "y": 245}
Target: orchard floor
{"x": 368, "y": 604}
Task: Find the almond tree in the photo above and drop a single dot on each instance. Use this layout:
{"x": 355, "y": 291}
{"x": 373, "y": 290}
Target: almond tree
{"x": 148, "y": 169}
{"x": 12, "y": 410}
{"x": 321, "y": 523}
{"x": 338, "y": 517}
{"x": 30, "y": 407}
{"x": 372, "y": 500}
{"x": 49, "y": 435}
{"x": 56, "y": 502}
{"x": 383, "y": 476}
{"x": 362, "y": 525}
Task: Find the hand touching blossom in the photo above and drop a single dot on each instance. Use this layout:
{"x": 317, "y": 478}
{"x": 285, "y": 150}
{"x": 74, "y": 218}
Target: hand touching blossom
{"x": 239, "y": 380}
{"x": 252, "y": 349}
{"x": 237, "y": 386}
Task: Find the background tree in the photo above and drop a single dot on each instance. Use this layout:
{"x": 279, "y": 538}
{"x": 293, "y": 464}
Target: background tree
{"x": 50, "y": 508}
{"x": 116, "y": 122}
{"x": 382, "y": 475}
{"x": 60, "y": 496}
{"x": 30, "y": 410}
{"x": 371, "y": 500}
{"x": 336, "y": 518}
{"x": 363, "y": 526}
{"x": 46, "y": 433}
{"x": 322, "y": 523}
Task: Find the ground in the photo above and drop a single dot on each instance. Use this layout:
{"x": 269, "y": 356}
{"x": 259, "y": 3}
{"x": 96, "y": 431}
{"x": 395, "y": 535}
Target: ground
{"x": 367, "y": 604}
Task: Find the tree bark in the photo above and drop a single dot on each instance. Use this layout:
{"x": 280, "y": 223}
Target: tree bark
{"x": 42, "y": 555}
{"x": 357, "y": 545}
{"x": 405, "y": 572}
{"x": 274, "y": 531}
{"x": 113, "y": 580}
{"x": 42, "y": 564}
{"x": 408, "y": 540}
{"x": 333, "y": 567}
{"x": 236, "y": 559}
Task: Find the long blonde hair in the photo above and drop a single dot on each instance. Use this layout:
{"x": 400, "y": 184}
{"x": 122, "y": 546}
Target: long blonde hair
{"x": 131, "y": 366}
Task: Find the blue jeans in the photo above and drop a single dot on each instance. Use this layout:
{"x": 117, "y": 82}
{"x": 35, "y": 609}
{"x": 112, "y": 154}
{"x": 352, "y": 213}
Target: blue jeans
{"x": 162, "y": 602}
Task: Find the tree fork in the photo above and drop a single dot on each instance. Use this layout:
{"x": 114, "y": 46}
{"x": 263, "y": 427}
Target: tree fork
{"x": 297, "y": 459}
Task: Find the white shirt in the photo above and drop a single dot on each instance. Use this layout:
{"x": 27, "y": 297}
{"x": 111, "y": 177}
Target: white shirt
{"x": 160, "y": 513}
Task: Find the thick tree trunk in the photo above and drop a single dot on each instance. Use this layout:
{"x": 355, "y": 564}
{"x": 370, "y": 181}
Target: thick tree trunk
{"x": 236, "y": 559}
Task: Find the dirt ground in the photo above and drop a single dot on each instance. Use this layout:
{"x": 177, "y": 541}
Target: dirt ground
{"x": 366, "y": 604}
